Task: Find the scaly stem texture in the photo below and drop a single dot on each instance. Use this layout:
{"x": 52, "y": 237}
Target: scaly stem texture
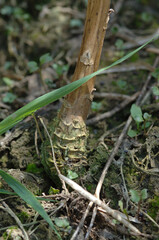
{"x": 70, "y": 132}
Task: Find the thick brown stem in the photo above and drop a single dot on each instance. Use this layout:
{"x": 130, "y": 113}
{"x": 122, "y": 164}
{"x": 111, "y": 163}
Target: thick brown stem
{"x": 70, "y": 132}
{"x": 79, "y": 101}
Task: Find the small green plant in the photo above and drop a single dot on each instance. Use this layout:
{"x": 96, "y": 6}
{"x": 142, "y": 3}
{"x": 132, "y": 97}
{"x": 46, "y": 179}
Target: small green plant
{"x": 76, "y": 23}
{"x": 9, "y": 97}
{"x": 95, "y": 106}
{"x": 138, "y": 196}
{"x": 61, "y": 222}
{"x": 60, "y": 69}
{"x": 7, "y": 235}
{"x": 37, "y": 67}
{"x": 120, "y": 203}
{"x": 23, "y": 216}
{"x": 119, "y": 44}
{"x": 34, "y": 66}
{"x": 142, "y": 120}
{"x": 53, "y": 191}
{"x": 122, "y": 84}
{"x": 9, "y": 82}
{"x": 153, "y": 207}
{"x": 32, "y": 168}
{"x": 72, "y": 175}
{"x": 146, "y": 17}
{"x": 17, "y": 12}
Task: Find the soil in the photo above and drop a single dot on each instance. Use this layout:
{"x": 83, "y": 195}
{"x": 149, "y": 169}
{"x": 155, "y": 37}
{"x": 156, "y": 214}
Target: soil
{"x": 131, "y": 184}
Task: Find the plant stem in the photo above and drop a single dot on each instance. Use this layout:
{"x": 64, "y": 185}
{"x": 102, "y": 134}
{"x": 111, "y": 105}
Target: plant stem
{"x": 70, "y": 131}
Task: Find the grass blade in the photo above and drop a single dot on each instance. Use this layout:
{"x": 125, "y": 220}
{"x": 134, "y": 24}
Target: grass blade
{"x": 50, "y": 97}
{"x": 3, "y": 191}
{"x": 28, "y": 197}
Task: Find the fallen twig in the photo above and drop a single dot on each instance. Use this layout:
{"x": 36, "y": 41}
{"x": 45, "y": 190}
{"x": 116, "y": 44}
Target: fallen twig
{"x": 80, "y": 225}
{"x": 129, "y": 67}
{"x": 53, "y": 156}
{"x": 91, "y": 223}
{"x": 117, "y": 96}
{"x": 113, "y": 111}
{"x": 115, "y": 214}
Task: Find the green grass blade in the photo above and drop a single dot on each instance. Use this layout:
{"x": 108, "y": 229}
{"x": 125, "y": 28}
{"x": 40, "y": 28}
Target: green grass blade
{"x": 3, "y": 191}
{"x": 28, "y": 197}
{"x": 50, "y": 97}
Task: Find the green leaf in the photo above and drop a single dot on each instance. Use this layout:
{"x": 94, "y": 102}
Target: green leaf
{"x": 146, "y": 17}
{"x": 120, "y": 203}
{"x": 155, "y": 90}
{"x": 8, "y": 81}
{"x": 155, "y": 74}
{"x": 72, "y": 175}
{"x": 60, "y": 69}
{"x": 28, "y": 197}
{"x": 61, "y": 222}
{"x": 147, "y": 116}
{"x": 76, "y": 23}
{"x": 7, "y": 65}
{"x": 32, "y": 66}
{"x": 3, "y": 191}
{"x": 6, "y": 10}
{"x": 132, "y": 133}
{"x": 45, "y": 58}
{"x": 50, "y": 97}
{"x": 121, "y": 84}
{"x": 9, "y": 97}
{"x": 32, "y": 168}
{"x": 147, "y": 124}
{"x": 95, "y": 106}
{"x": 53, "y": 191}
{"x": 144, "y": 194}
{"x": 136, "y": 113}
{"x": 135, "y": 196}
{"x": 119, "y": 44}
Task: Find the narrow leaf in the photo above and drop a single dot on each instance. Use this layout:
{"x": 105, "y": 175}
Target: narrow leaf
{"x": 50, "y": 97}
{"x": 3, "y": 191}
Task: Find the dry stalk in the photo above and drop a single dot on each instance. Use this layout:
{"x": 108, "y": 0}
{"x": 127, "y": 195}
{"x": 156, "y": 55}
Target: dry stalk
{"x": 115, "y": 214}
{"x": 53, "y": 156}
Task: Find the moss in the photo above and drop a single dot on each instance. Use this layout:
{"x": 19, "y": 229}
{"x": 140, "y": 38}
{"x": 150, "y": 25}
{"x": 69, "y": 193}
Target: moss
{"x": 7, "y": 235}
{"x": 97, "y": 162}
{"x": 154, "y": 207}
{"x": 23, "y": 216}
{"x": 4, "y": 161}
{"x": 32, "y": 168}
